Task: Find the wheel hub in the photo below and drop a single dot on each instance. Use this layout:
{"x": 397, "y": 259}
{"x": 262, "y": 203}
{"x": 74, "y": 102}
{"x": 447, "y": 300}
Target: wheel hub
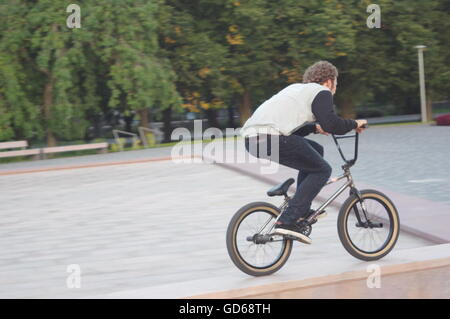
{"x": 369, "y": 224}
{"x": 260, "y": 239}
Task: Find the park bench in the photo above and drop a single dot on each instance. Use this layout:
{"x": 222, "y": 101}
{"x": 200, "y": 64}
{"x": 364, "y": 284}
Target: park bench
{"x": 17, "y": 144}
{"x": 102, "y": 147}
{"x": 42, "y": 152}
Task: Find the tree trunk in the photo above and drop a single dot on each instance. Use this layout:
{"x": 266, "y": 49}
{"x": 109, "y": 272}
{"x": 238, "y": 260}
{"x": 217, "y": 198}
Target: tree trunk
{"x": 230, "y": 116}
{"x": 98, "y": 124}
{"x": 144, "y": 115}
{"x": 429, "y": 110}
{"x": 48, "y": 101}
{"x": 245, "y": 107}
{"x": 345, "y": 106}
{"x": 128, "y": 122}
{"x": 167, "y": 119}
{"x": 211, "y": 115}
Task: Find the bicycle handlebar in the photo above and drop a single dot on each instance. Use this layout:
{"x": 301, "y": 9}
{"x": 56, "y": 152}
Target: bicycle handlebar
{"x": 348, "y": 163}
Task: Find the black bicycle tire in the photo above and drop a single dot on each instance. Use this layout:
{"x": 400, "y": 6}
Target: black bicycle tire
{"x": 231, "y": 243}
{"x": 342, "y": 225}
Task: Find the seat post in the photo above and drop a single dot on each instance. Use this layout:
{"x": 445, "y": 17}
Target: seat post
{"x": 286, "y": 201}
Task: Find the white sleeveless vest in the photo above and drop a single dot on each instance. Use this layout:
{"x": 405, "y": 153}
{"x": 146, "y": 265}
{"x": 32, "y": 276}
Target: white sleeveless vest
{"x": 284, "y": 112}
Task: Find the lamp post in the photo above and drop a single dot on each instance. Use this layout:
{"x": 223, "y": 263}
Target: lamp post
{"x": 423, "y": 99}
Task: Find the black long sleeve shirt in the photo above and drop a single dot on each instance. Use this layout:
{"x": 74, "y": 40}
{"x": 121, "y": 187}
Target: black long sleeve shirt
{"x": 323, "y": 109}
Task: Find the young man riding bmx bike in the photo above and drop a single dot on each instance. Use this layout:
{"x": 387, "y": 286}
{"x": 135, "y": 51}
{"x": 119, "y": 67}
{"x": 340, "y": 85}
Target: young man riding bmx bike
{"x": 290, "y": 115}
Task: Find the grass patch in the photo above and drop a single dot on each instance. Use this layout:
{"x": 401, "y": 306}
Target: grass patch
{"x": 14, "y": 159}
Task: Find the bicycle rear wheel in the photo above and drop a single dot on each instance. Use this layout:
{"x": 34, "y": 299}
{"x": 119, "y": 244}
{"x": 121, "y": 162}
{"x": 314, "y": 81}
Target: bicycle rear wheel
{"x": 374, "y": 234}
{"x": 250, "y": 244}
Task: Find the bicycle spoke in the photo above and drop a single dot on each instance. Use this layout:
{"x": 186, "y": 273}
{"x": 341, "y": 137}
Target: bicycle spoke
{"x": 258, "y": 255}
{"x": 369, "y": 239}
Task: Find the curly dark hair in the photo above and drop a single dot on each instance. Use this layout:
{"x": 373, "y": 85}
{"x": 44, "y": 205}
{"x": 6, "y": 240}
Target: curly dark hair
{"x": 320, "y": 72}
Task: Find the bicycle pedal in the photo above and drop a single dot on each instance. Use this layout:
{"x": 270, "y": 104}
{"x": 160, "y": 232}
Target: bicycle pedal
{"x": 291, "y": 237}
{"x": 296, "y": 239}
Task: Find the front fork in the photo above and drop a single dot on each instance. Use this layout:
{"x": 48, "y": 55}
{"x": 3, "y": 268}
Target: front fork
{"x": 355, "y": 191}
{"x": 368, "y": 223}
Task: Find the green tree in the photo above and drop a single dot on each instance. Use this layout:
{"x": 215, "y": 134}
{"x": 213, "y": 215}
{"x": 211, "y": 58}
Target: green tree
{"x": 124, "y": 38}
{"x": 46, "y": 77}
{"x": 271, "y": 43}
{"x": 19, "y": 108}
{"x": 185, "y": 38}
{"x": 55, "y": 53}
{"x": 382, "y": 66}
{"x": 307, "y": 32}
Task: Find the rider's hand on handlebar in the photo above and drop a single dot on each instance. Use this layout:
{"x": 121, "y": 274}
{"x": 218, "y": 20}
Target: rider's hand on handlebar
{"x": 361, "y": 125}
{"x": 320, "y": 130}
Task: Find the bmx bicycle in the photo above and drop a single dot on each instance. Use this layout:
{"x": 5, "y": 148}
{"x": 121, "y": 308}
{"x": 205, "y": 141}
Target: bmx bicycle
{"x": 368, "y": 224}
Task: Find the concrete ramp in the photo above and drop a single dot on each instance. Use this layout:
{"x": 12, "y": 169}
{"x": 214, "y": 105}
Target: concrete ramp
{"x": 410, "y": 273}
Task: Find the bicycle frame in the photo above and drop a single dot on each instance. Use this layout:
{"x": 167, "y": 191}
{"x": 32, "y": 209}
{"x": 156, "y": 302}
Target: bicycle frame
{"x": 354, "y": 240}
{"x": 348, "y": 184}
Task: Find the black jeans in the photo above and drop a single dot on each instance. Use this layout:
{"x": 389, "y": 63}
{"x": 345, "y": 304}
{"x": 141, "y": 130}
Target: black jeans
{"x": 299, "y": 153}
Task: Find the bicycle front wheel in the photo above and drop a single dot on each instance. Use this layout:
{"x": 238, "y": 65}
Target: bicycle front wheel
{"x": 251, "y": 246}
{"x": 371, "y": 235}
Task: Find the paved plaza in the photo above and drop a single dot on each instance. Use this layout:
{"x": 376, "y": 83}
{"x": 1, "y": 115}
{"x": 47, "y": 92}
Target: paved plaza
{"x": 409, "y": 159}
{"x": 153, "y": 224}
{"x": 132, "y": 226}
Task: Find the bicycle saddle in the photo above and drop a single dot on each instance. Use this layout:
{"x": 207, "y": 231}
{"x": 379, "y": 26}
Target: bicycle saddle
{"x": 281, "y": 189}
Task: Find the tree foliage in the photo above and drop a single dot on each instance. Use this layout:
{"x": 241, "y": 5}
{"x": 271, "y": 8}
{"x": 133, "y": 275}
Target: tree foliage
{"x": 165, "y": 56}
